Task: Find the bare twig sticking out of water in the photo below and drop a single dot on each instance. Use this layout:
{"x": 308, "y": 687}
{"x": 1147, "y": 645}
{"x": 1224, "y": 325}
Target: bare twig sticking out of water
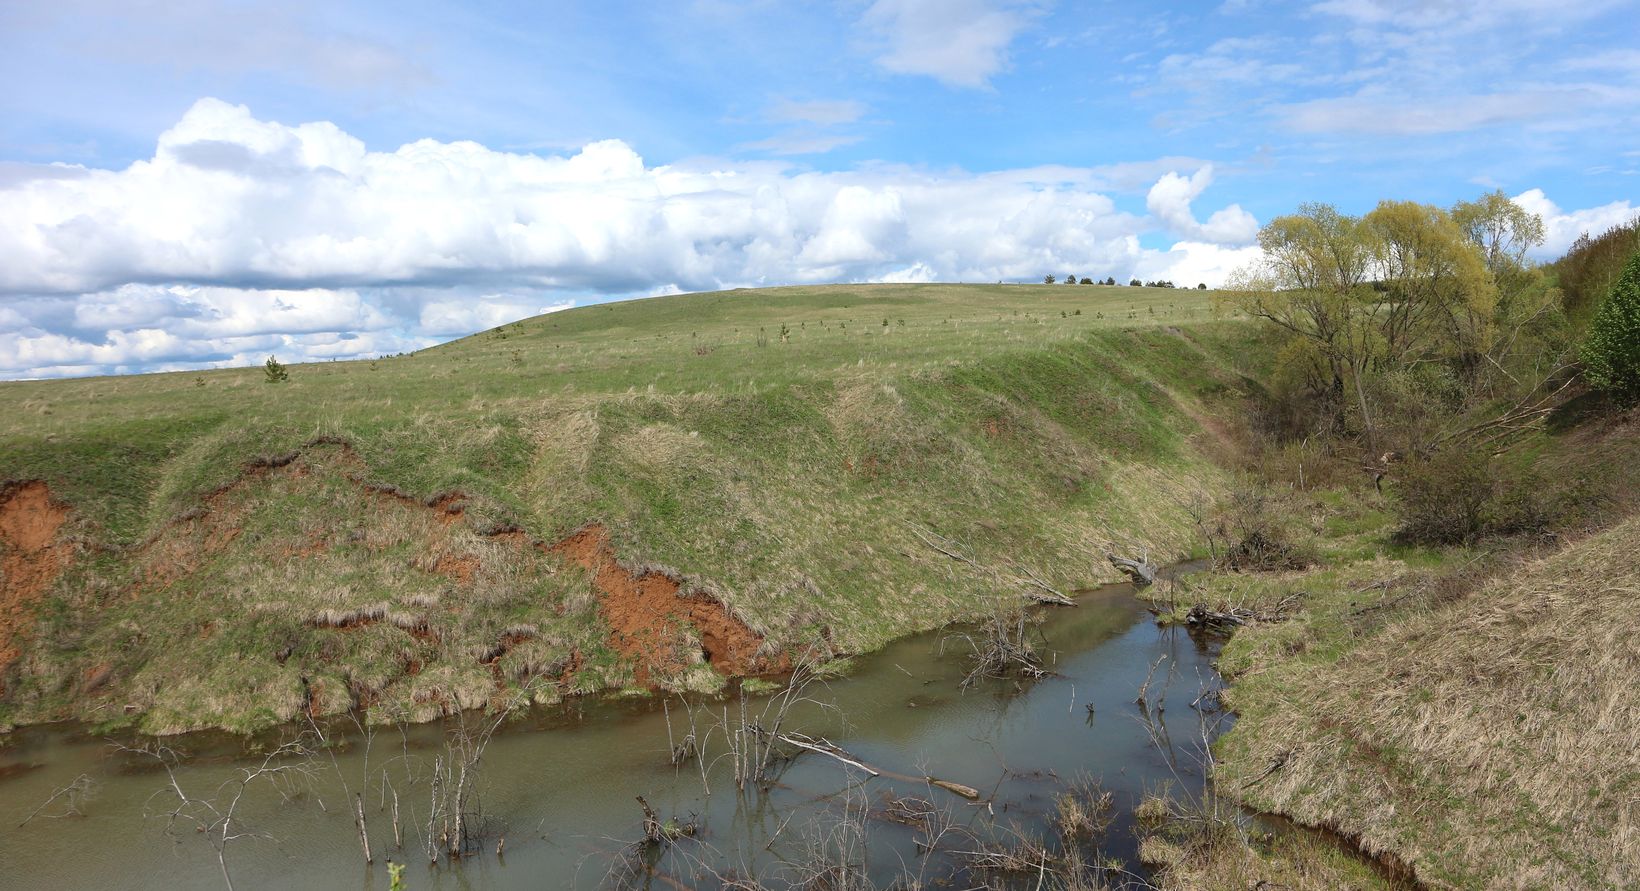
{"x": 752, "y": 742}
{"x": 1001, "y": 648}
{"x": 680, "y": 752}
{"x": 456, "y": 823}
{"x": 75, "y": 794}
{"x": 369, "y": 734}
{"x": 216, "y": 817}
{"x": 1144, "y": 689}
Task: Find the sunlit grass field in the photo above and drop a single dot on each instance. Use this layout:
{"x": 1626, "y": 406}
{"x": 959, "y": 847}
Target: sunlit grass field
{"x": 780, "y": 448}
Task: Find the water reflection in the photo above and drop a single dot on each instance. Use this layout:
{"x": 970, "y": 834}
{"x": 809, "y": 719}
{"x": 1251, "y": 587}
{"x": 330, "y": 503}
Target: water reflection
{"x": 561, "y": 785}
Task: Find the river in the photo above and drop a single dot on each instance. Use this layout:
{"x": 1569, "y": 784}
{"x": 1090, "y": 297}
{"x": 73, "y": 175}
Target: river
{"x": 561, "y": 783}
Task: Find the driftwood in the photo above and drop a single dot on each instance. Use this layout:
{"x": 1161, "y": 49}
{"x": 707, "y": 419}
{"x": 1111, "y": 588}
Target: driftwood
{"x": 968, "y": 792}
{"x": 1206, "y": 617}
{"x": 825, "y": 747}
{"x": 1141, "y": 571}
{"x": 830, "y": 750}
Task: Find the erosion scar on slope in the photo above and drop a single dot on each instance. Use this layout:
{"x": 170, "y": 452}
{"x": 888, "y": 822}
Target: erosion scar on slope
{"x": 647, "y": 613}
{"x": 30, "y": 558}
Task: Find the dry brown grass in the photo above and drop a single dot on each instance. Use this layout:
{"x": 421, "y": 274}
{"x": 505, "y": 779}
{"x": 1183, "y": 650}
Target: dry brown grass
{"x": 1489, "y": 742}
{"x": 1292, "y": 861}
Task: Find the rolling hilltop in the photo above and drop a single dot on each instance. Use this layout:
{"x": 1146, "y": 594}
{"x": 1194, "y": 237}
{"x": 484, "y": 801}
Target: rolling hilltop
{"x": 654, "y": 494}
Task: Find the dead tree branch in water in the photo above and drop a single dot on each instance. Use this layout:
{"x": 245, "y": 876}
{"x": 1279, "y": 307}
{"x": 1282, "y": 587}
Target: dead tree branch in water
{"x": 77, "y": 792}
{"x": 216, "y": 817}
{"x": 1001, "y": 648}
{"x": 455, "y": 819}
{"x": 357, "y": 797}
{"x": 1141, "y": 571}
{"x": 825, "y": 747}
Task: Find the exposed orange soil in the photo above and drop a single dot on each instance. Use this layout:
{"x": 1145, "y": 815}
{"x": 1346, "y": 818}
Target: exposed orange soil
{"x": 459, "y": 568}
{"x": 652, "y": 620}
{"x": 30, "y": 558}
{"x": 647, "y": 613}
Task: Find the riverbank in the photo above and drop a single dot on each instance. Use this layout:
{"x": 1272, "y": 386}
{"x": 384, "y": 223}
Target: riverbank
{"x": 663, "y": 494}
{"x": 1459, "y": 713}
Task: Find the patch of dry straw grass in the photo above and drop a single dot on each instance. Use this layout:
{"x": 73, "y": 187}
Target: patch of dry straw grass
{"x": 1489, "y": 743}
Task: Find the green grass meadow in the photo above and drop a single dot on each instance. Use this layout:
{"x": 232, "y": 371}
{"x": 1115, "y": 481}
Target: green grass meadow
{"x": 778, "y": 447}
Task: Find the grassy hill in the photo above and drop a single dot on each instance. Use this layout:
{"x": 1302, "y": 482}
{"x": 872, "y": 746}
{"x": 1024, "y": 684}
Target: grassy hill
{"x": 524, "y": 507}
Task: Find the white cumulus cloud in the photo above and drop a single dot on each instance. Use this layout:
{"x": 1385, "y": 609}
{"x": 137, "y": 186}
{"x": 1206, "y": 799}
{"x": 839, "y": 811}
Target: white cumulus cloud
{"x": 242, "y": 236}
{"x": 1169, "y": 201}
{"x": 1561, "y": 227}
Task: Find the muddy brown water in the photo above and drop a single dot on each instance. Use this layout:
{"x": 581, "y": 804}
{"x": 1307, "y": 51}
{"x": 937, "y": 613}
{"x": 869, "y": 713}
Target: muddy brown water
{"x": 561, "y": 784}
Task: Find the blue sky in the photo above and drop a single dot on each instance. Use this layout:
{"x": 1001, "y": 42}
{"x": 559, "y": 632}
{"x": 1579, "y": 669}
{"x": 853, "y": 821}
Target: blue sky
{"x": 199, "y": 183}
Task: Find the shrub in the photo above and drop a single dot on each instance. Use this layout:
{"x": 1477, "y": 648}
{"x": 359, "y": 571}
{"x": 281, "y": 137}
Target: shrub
{"x": 1458, "y": 496}
{"x": 1611, "y": 349}
{"x": 275, "y": 372}
{"x": 1253, "y": 531}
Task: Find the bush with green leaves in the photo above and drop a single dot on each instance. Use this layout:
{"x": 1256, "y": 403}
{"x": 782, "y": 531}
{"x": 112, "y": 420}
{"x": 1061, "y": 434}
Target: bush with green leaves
{"x": 1611, "y": 349}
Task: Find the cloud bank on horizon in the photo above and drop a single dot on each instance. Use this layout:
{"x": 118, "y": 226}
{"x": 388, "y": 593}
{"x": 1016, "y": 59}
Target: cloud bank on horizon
{"x": 965, "y": 140}
{"x": 240, "y": 236}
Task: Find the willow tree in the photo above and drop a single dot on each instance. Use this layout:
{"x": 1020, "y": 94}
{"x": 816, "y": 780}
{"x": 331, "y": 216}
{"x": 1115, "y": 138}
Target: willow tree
{"x": 1436, "y": 294}
{"x": 1313, "y": 282}
{"x": 1407, "y": 285}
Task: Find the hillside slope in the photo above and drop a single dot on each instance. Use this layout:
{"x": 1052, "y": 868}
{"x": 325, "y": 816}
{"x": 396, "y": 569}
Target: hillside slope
{"x": 1483, "y": 740}
{"x": 661, "y": 493}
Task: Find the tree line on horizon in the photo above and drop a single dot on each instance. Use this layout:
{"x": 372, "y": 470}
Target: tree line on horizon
{"x": 1111, "y": 280}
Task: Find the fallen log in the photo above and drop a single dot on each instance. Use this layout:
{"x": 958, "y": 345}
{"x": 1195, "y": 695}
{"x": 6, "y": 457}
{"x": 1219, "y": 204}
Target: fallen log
{"x": 1141, "y": 571}
{"x": 968, "y": 792}
{"x": 1201, "y": 615}
{"x": 824, "y": 747}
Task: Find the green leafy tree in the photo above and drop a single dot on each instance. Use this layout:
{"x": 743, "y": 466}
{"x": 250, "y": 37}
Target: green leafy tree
{"x": 1048, "y": 279}
{"x": 1503, "y": 230}
{"x": 1611, "y": 349}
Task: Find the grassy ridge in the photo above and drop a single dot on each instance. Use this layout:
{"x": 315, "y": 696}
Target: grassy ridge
{"x": 1028, "y": 423}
